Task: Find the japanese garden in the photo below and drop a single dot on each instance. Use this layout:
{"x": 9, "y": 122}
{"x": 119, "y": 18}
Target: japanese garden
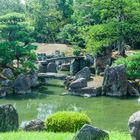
{"x": 69, "y": 69}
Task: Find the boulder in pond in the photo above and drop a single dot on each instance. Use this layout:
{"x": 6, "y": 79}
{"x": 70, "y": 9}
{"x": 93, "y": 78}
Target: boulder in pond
{"x": 8, "y": 118}
{"x": 85, "y": 92}
{"x": 79, "y": 83}
{"x": 7, "y": 72}
{"x": 134, "y": 126}
{"x": 115, "y": 81}
{"x": 34, "y": 125}
{"x": 87, "y": 132}
{"x": 131, "y": 90}
{"x": 52, "y": 67}
{"x": 22, "y": 84}
{"x": 84, "y": 73}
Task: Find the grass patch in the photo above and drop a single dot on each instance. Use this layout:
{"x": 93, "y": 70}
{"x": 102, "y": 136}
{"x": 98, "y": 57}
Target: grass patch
{"x": 54, "y": 136}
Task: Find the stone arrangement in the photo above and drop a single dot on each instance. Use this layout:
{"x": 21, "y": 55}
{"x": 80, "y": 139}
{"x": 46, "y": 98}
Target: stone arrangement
{"x": 22, "y": 84}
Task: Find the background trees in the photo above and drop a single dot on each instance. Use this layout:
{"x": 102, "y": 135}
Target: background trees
{"x": 88, "y": 24}
{"x": 117, "y": 25}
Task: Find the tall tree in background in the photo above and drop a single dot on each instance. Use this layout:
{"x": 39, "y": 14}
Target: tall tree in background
{"x": 118, "y": 25}
{"x": 48, "y": 17}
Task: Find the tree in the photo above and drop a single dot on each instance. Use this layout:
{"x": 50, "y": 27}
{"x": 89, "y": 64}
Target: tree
{"x": 49, "y": 17}
{"x": 15, "y": 35}
{"x": 118, "y": 25}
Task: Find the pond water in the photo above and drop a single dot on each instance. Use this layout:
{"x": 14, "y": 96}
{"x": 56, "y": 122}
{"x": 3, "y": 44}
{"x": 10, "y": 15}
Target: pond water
{"x": 105, "y": 112}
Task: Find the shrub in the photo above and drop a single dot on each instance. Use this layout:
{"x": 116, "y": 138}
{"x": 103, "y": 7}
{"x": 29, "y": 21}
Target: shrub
{"x": 66, "y": 121}
{"x": 76, "y": 51}
{"x": 132, "y": 64}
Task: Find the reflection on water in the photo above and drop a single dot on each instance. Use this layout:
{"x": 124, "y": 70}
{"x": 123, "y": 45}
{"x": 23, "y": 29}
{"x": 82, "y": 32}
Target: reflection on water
{"x": 138, "y": 101}
{"x": 74, "y": 107}
{"x": 29, "y": 104}
{"x": 44, "y": 110}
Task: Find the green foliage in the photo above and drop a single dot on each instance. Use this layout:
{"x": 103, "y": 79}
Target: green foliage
{"x": 132, "y": 64}
{"x": 15, "y": 34}
{"x": 48, "y": 17}
{"x": 76, "y": 51}
{"x": 6, "y": 53}
{"x": 66, "y": 121}
{"x": 98, "y": 36}
{"x": 117, "y": 24}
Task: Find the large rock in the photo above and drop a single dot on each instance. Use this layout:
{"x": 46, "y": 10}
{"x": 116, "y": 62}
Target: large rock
{"x": 87, "y": 132}
{"x": 132, "y": 91}
{"x": 79, "y": 83}
{"x": 84, "y": 73}
{"x": 34, "y": 125}
{"x": 115, "y": 81}
{"x": 134, "y": 126}
{"x": 74, "y": 67}
{"x": 68, "y": 80}
{"x": 8, "y": 118}
{"x": 89, "y": 59}
{"x": 34, "y": 80}
{"x": 7, "y": 72}
{"x": 77, "y": 65}
{"x": 85, "y": 92}
{"x": 52, "y": 67}
{"x": 22, "y": 84}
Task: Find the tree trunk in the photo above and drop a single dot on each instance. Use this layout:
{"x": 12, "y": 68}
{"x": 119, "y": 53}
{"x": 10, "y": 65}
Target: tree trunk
{"x": 121, "y": 48}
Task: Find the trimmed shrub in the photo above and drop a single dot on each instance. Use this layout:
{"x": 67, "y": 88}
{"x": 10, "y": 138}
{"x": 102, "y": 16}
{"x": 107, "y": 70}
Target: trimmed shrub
{"x": 132, "y": 64}
{"x": 66, "y": 121}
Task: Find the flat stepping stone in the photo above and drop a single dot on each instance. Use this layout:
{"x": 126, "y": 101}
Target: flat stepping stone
{"x": 52, "y": 76}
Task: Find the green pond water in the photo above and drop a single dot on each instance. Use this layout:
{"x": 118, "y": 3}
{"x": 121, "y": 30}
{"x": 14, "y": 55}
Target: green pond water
{"x": 105, "y": 112}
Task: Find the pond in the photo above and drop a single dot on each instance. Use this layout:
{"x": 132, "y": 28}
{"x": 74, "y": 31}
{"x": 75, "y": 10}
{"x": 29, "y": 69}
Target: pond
{"x": 105, "y": 112}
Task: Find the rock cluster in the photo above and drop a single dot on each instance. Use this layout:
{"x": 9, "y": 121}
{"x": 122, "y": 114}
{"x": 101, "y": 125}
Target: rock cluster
{"x": 22, "y": 84}
{"x": 77, "y": 85}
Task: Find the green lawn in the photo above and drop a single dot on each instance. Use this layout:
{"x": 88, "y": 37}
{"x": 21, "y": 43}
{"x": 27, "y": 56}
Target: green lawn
{"x": 53, "y": 136}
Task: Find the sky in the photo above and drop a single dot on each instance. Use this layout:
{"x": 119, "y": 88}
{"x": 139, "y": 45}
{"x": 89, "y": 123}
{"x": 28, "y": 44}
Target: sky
{"x": 23, "y": 1}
